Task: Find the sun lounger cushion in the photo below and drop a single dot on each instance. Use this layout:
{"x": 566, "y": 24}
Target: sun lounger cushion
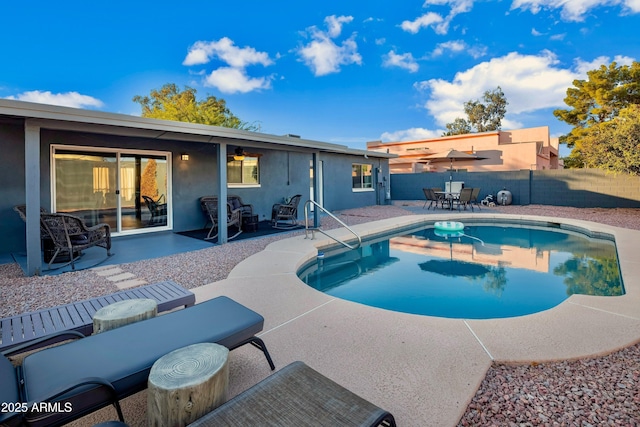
{"x": 124, "y": 356}
{"x": 9, "y": 392}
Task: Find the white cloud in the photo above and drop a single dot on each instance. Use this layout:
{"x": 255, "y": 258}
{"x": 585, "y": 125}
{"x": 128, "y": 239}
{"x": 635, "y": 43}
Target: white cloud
{"x": 458, "y": 46}
{"x": 452, "y": 46}
{"x": 323, "y": 55}
{"x": 334, "y": 24}
{"x": 404, "y": 60}
{"x": 583, "y": 66}
{"x": 529, "y": 82}
{"x": 427, "y": 20}
{"x": 431, "y": 19}
{"x": 412, "y": 134}
{"x": 68, "y": 99}
{"x": 202, "y": 52}
{"x": 234, "y": 80}
{"x": 575, "y": 10}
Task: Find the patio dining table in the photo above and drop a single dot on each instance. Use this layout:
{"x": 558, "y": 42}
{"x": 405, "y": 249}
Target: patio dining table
{"x": 449, "y": 197}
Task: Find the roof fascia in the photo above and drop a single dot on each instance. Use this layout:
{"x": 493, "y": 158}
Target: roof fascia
{"x": 74, "y": 119}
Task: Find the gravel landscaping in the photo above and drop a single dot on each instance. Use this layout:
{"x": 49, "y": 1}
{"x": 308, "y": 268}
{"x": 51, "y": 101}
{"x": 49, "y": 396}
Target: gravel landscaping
{"x": 589, "y": 392}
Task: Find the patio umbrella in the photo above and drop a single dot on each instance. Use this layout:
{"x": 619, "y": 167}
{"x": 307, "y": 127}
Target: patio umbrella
{"x": 450, "y": 156}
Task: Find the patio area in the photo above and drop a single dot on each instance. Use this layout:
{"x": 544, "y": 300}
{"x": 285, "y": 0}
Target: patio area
{"x": 424, "y": 370}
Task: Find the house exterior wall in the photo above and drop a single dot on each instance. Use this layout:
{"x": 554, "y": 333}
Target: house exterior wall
{"x": 529, "y": 148}
{"x": 282, "y": 174}
{"x": 12, "y": 184}
{"x": 338, "y": 191}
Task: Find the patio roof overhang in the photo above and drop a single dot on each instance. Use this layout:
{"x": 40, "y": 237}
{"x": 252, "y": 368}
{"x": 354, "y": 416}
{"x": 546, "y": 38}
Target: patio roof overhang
{"x": 74, "y": 119}
{"x": 42, "y": 116}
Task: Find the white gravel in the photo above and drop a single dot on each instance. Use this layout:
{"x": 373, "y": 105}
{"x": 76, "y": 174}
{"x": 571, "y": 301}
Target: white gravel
{"x": 590, "y": 392}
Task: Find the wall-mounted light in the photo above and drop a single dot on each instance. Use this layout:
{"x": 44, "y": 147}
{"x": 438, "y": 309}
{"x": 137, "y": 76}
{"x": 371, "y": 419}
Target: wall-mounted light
{"x": 238, "y": 154}
{"x": 184, "y": 156}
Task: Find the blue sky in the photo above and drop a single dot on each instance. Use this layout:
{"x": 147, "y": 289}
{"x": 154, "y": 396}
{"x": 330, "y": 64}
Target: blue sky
{"x": 336, "y": 71}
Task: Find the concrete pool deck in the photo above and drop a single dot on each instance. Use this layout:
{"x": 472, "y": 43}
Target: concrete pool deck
{"x": 422, "y": 369}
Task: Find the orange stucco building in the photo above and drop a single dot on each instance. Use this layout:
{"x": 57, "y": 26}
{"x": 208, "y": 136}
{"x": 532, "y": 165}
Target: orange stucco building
{"x": 529, "y": 148}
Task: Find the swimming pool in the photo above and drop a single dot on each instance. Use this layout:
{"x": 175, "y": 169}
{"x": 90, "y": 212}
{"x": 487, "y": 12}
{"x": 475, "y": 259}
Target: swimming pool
{"x": 485, "y": 271}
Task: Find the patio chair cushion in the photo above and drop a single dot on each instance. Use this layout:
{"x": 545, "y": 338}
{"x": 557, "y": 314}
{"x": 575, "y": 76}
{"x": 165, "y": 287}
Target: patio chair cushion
{"x": 124, "y": 356}
{"x": 9, "y": 392}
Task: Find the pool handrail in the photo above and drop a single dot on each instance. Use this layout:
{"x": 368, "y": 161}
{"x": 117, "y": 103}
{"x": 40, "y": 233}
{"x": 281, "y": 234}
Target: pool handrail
{"x": 307, "y": 228}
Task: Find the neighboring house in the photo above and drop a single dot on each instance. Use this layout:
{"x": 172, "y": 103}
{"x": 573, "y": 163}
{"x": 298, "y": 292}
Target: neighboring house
{"x": 113, "y": 168}
{"x": 530, "y": 148}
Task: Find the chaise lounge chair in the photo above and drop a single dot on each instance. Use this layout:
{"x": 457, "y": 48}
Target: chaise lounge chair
{"x": 90, "y": 373}
{"x": 297, "y": 395}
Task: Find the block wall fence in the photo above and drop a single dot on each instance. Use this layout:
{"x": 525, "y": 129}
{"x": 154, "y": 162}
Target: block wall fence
{"x": 580, "y": 188}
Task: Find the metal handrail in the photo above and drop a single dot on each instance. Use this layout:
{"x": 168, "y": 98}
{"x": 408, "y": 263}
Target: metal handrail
{"x": 313, "y": 229}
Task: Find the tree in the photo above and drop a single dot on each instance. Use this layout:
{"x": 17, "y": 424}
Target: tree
{"x": 459, "y": 126}
{"x": 169, "y": 103}
{"x": 614, "y": 145}
{"x": 482, "y": 117}
{"x": 596, "y": 101}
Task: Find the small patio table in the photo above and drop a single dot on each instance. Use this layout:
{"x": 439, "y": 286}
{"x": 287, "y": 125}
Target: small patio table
{"x": 449, "y": 196}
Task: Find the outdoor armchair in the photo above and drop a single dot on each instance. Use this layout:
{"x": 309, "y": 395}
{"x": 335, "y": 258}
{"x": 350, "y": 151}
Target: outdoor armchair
{"x": 285, "y": 215}
{"x": 157, "y": 210}
{"x": 70, "y": 235}
{"x": 234, "y": 217}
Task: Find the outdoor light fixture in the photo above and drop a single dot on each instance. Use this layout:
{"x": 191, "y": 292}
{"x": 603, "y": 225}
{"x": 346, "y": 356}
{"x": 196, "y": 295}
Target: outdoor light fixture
{"x": 184, "y": 156}
{"x": 239, "y": 154}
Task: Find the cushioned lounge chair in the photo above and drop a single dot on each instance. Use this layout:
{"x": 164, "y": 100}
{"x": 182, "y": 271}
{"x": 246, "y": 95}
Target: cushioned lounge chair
{"x": 297, "y": 395}
{"x": 93, "y": 372}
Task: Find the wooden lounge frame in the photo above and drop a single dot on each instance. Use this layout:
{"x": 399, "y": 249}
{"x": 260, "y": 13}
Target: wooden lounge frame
{"x": 64, "y": 321}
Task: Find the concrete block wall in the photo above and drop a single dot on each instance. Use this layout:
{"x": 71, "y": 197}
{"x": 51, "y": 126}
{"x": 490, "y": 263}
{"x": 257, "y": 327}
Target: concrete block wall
{"x": 563, "y": 187}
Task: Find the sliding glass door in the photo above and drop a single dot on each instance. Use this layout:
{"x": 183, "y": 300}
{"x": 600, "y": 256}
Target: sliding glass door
{"x": 129, "y": 190}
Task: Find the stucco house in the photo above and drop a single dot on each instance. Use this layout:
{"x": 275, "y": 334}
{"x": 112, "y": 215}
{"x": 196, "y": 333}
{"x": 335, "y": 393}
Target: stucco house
{"x": 99, "y": 166}
{"x": 530, "y": 148}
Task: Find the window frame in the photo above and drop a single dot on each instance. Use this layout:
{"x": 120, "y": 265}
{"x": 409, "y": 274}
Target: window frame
{"x": 257, "y": 184}
{"x": 362, "y": 189}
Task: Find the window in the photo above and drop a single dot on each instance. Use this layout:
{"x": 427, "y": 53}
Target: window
{"x": 361, "y": 176}
{"x": 244, "y": 172}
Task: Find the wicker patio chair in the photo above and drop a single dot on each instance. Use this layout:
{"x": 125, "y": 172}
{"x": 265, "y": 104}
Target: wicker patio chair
{"x": 234, "y": 217}
{"x": 285, "y": 216}
{"x": 157, "y": 210}
{"x": 71, "y": 235}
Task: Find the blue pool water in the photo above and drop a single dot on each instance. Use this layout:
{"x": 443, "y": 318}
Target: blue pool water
{"x": 483, "y": 272}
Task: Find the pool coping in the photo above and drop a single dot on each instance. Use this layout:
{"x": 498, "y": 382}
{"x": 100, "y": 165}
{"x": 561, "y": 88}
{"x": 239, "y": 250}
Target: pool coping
{"x": 299, "y": 320}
